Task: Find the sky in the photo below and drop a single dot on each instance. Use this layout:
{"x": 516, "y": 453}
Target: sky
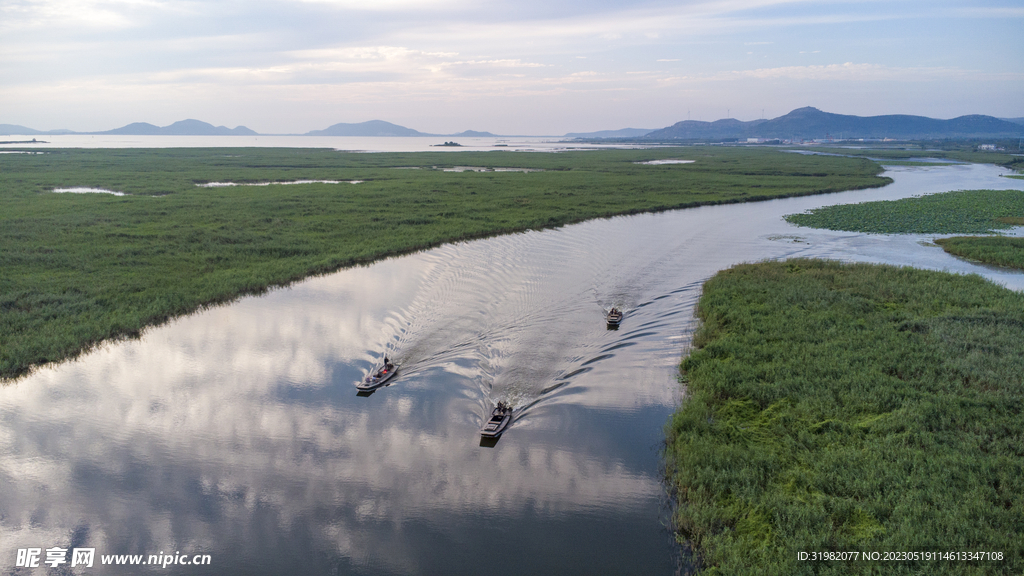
{"x": 523, "y": 67}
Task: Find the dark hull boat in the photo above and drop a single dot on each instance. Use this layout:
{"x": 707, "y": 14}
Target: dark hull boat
{"x": 614, "y": 317}
{"x": 378, "y": 378}
{"x": 500, "y": 419}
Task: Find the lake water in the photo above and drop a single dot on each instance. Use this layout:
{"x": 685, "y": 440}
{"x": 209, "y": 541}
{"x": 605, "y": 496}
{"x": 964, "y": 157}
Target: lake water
{"x": 237, "y": 432}
{"x": 355, "y": 144}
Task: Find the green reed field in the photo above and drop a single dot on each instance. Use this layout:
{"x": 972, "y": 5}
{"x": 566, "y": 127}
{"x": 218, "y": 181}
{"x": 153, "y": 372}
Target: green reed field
{"x": 955, "y": 150}
{"x": 997, "y": 250}
{"x": 960, "y": 212}
{"x": 79, "y": 269}
{"x": 851, "y": 408}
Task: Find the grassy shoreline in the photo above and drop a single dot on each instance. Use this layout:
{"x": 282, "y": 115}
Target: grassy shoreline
{"x": 947, "y": 150}
{"x": 836, "y": 407}
{"x": 998, "y": 250}
{"x": 959, "y": 212}
{"x": 81, "y": 269}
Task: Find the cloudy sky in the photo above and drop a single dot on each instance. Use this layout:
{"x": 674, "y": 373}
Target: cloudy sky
{"x": 509, "y": 67}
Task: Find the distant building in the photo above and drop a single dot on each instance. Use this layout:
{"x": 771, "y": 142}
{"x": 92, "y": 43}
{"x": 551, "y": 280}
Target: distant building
{"x": 990, "y": 147}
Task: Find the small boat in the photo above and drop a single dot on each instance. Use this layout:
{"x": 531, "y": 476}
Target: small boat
{"x": 500, "y": 418}
{"x": 379, "y": 377}
{"x": 614, "y": 317}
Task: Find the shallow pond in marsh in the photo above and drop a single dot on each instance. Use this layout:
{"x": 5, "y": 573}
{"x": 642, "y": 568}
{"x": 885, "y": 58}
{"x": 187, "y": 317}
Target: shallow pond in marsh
{"x": 237, "y": 432}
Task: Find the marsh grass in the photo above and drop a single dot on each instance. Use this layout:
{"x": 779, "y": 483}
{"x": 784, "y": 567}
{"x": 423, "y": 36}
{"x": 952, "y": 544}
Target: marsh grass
{"x": 837, "y": 407}
{"x": 78, "y": 269}
{"x": 998, "y": 250}
{"x": 959, "y": 212}
{"x": 948, "y": 150}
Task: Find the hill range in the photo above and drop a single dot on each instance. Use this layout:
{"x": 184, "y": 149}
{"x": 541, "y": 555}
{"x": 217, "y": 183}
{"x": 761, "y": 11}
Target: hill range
{"x": 180, "y": 128}
{"x": 801, "y": 124}
{"x": 810, "y": 123}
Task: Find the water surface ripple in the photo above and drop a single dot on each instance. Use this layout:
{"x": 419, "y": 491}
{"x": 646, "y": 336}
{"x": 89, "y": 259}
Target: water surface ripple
{"x": 237, "y": 432}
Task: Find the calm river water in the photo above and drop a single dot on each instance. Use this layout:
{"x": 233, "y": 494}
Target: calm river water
{"x": 237, "y": 432}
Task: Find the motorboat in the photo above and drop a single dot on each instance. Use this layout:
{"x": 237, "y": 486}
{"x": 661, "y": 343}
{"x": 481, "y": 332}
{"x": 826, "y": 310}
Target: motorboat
{"x": 500, "y": 419}
{"x": 379, "y": 377}
{"x": 614, "y": 317}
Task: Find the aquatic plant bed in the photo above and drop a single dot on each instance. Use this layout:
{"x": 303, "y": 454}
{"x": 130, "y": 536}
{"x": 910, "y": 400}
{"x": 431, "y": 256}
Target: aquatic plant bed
{"x": 852, "y": 408}
{"x": 946, "y": 150}
{"x": 79, "y": 269}
{"x": 998, "y": 250}
{"x": 959, "y": 212}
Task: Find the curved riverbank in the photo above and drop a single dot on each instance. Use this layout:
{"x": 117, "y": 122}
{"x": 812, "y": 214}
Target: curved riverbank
{"x": 84, "y": 269}
{"x": 997, "y": 250}
{"x": 851, "y": 408}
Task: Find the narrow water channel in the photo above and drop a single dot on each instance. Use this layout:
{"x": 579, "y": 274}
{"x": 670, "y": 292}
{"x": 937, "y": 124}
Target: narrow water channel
{"x": 237, "y": 432}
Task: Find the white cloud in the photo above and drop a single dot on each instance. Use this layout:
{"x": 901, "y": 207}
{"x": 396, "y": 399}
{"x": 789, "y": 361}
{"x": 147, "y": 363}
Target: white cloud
{"x": 397, "y": 53}
{"x": 988, "y": 12}
{"x": 387, "y": 5}
{"x": 848, "y": 71}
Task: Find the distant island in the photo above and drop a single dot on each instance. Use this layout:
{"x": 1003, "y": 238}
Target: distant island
{"x": 380, "y": 128}
{"x": 32, "y": 141}
{"x": 376, "y": 128}
{"x": 180, "y": 128}
{"x": 806, "y": 123}
{"x": 448, "y": 144}
{"x": 621, "y": 133}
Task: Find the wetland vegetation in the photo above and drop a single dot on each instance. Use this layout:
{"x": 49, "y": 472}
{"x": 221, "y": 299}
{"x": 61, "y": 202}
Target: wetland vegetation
{"x": 851, "y": 407}
{"x": 79, "y": 269}
{"x": 959, "y": 212}
{"x": 955, "y": 150}
{"x": 997, "y": 250}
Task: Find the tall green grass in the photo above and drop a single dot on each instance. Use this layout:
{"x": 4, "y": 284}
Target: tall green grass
{"x": 956, "y": 150}
{"x": 963, "y": 212}
{"x": 77, "y": 269}
{"x": 851, "y": 408}
{"x": 998, "y": 250}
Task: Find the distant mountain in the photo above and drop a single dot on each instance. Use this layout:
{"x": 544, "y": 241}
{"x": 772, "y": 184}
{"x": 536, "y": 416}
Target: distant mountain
{"x": 14, "y": 129}
{"x": 810, "y": 123}
{"x": 621, "y": 133}
{"x": 370, "y": 128}
{"x": 135, "y": 129}
{"x": 1013, "y": 120}
{"x": 11, "y": 129}
{"x": 475, "y": 134}
{"x": 180, "y": 128}
{"x": 697, "y": 129}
